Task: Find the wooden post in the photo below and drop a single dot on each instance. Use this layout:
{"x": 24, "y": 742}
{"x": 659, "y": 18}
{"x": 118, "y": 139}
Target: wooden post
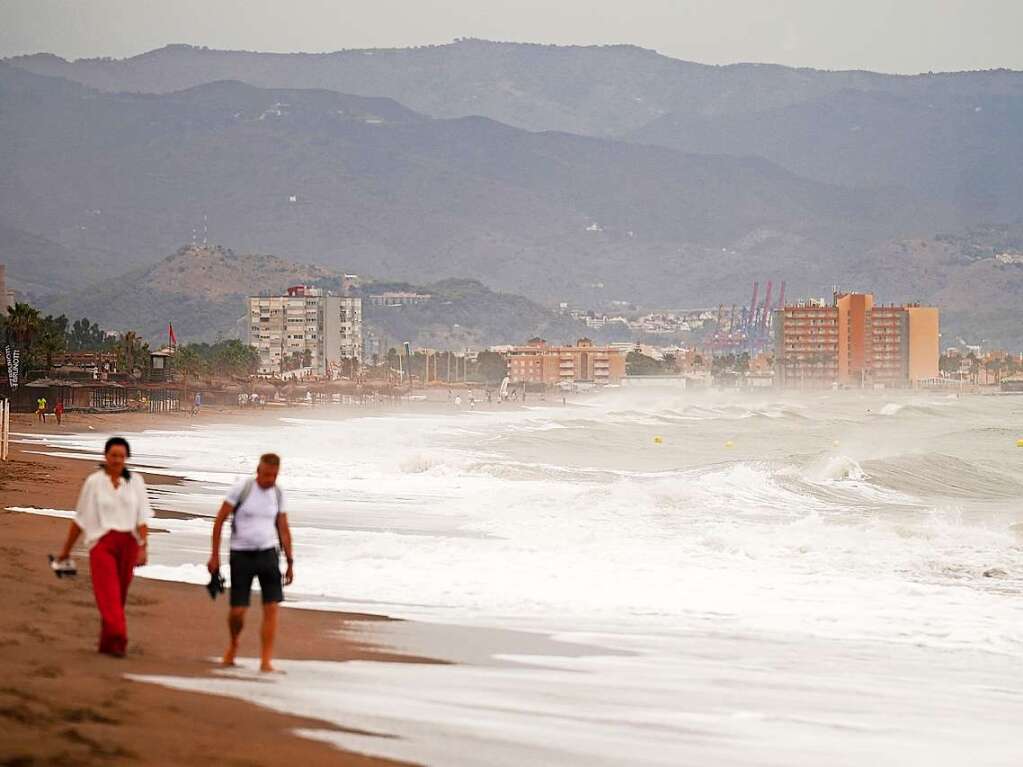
{"x": 5, "y": 428}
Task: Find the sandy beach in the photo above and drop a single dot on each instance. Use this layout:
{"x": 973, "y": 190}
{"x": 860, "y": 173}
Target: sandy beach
{"x": 61, "y": 702}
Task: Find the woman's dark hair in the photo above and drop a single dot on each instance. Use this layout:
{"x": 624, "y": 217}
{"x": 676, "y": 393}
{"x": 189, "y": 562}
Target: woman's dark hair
{"x": 117, "y": 441}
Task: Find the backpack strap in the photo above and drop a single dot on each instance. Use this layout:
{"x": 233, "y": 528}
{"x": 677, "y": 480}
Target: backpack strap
{"x": 280, "y": 498}
{"x": 246, "y": 491}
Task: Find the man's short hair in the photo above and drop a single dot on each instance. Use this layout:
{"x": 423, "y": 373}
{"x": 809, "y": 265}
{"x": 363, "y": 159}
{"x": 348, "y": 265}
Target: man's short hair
{"x": 270, "y": 459}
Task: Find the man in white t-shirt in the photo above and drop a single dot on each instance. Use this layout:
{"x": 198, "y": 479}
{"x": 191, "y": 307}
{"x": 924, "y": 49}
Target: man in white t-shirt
{"x": 258, "y": 526}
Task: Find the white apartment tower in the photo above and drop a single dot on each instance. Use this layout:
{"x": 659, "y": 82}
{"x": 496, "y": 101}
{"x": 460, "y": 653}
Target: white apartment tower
{"x": 305, "y": 328}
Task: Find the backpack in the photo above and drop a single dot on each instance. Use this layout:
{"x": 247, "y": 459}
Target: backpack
{"x": 246, "y": 491}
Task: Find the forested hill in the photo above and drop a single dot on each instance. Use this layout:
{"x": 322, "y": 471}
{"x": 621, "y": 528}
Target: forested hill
{"x": 203, "y": 291}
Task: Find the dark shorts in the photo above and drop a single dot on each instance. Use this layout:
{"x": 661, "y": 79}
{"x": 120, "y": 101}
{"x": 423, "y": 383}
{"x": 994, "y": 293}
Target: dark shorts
{"x": 263, "y": 564}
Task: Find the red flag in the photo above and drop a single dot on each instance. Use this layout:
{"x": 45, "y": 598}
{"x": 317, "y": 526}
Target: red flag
{"x": 170, "y": 332}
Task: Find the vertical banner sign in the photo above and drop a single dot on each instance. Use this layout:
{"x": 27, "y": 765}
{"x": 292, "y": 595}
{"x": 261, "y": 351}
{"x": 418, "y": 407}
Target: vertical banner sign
{"x": 12, "y": 366}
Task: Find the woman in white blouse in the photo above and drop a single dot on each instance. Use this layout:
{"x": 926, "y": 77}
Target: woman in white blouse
{"x": 113, "y": 511}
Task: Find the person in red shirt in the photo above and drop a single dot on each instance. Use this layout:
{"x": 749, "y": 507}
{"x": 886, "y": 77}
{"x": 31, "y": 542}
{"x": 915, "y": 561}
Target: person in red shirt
{"x": 58, "y": 410}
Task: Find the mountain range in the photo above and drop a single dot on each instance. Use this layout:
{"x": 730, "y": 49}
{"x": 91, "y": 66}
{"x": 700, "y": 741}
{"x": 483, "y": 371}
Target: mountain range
{"x": 561, "y": 173}
{"x": 848, "y": 127}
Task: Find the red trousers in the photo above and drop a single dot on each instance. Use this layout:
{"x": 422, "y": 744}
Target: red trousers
{"x": 112, "y": 562}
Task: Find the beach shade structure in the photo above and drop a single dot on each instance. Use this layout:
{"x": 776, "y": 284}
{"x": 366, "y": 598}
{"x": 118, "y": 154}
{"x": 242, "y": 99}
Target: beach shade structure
{"x": 293, "y": 391}
{"x": 94, "y": 396}
{"x": 53, "y": 390}
{"x": 45, "y": 383}
{"x": 341, "y": 387}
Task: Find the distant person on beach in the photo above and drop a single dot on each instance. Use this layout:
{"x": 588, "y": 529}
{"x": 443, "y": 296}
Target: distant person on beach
{"x": 41, "y": 409}
{"x": 197, "y": 403}
{"x": 259, "y": 524}
{"x": 58, "y": 411}
{"x": 113, "y": 511}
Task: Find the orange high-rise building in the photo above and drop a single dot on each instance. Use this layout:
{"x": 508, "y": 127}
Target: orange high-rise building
{"x": 856, "y": 343}
{"x": 854, "y": 337}
{"x": 924, "y": 342}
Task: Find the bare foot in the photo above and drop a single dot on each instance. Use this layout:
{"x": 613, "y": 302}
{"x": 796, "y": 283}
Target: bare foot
{"x": 228, "y": 659}
{"x": 266, "y": 668}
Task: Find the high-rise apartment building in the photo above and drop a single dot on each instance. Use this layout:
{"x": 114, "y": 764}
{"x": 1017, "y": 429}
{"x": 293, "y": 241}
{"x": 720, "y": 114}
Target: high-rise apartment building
{"x": 806, "y": 354}
{"x": 305, "y": 328}
{"x": 854, "y": 342}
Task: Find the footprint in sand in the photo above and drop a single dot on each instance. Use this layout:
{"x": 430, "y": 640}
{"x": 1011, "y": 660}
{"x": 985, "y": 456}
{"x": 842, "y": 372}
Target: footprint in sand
{"x": 47, "y": 672}
{"x": 85, "y": 714}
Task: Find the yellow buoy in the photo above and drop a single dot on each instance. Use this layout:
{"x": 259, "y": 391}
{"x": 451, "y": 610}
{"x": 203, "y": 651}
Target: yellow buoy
{"x": 729, "y": 443}
{"x": 658, "y": 440}
{"x": 1019, "y": 443}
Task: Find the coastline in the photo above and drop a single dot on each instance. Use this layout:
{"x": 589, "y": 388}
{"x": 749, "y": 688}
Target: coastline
{"x": 61, "y": 701}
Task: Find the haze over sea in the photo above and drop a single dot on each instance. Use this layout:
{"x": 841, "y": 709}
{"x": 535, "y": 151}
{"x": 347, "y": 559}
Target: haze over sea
{"x": 813, "y": 594}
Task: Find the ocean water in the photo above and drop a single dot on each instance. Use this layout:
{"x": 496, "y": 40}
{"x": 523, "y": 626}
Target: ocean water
{"x": 776, "y": 580}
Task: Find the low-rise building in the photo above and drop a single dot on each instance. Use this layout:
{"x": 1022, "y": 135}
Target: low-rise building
{"x": 398, "y": 298}
{"x": 538, "y": 362}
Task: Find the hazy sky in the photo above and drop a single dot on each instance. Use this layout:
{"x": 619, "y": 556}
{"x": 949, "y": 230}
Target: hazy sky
{"x": 883, "y": 35}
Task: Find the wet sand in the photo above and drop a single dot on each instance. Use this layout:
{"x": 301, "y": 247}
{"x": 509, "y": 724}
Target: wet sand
{"x": 62, "y": 703}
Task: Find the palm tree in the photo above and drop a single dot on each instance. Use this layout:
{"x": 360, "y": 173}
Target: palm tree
{"x": 50, "y": 341}
{"x": 23, "y": 324}
{"x": 949, "y": 364}
{"x": 131, "y": 351}
{"x": 974, "y": 367}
